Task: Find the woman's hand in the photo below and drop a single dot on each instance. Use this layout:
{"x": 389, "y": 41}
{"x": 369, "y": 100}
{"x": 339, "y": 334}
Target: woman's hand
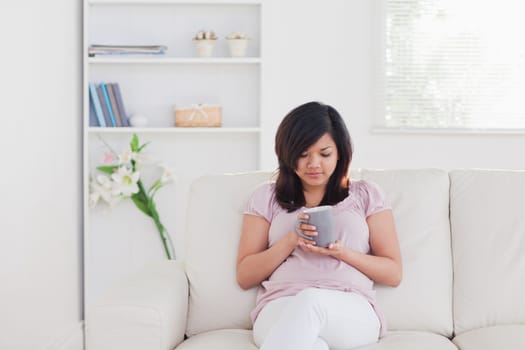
{"x": 308, "y": 230}
{"x": 335, "y": 249}
{"x": 308, "y": 244}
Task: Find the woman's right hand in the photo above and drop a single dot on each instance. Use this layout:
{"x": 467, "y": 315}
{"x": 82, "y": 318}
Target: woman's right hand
{"x": 309, "y": 231}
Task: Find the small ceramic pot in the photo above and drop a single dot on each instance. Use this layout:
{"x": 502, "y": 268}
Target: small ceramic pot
{"x": 204, "y": 47}
{"x": 237, "y": 47}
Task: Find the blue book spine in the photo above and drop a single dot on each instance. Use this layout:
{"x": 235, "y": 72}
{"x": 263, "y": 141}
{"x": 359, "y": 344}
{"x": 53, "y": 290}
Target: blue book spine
{"x": 105, "y": 111}
{"x": 108, "y": 103}
{"x": 120, "y": 104}
{"x": 92, "y": 115}
{"x": 96, "y": 104}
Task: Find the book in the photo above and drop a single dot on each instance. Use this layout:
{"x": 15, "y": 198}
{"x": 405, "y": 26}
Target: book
{"x": 94, "y": 99}
{"x": 120, "y": 104}
{"x": 113, "y": 102}
{"x": 125, "y": 49}
{"x": 108, "y": 103}
{"x": 92, "y": 115}
{"x": 103, "y": 105}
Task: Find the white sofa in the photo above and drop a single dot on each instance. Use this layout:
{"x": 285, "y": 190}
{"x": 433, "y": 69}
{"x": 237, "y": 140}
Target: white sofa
{"x": 462, "y": 236}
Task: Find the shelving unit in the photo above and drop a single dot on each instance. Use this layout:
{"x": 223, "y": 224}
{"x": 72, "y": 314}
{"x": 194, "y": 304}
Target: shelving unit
{"x": 119, "y": 241}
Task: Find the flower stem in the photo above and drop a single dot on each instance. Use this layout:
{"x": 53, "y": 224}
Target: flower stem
{"x": 160, "y": 227}
{"x": 142, "y": 199}
{"x": 162, "y": 233}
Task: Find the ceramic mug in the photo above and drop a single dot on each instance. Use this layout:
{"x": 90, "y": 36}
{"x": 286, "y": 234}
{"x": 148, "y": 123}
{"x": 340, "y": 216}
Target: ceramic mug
{"x": 322, "y": 218}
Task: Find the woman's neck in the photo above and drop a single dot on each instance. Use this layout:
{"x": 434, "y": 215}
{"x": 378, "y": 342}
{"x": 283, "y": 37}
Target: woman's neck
{"x": 313, "y": 197}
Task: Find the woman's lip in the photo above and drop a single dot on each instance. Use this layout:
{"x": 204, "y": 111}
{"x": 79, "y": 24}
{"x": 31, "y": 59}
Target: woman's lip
{"x": 313, "y": 174}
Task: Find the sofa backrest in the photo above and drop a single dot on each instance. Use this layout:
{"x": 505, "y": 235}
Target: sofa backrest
{"x": 213, "y": 229}
{"x": 420, "y": 202}
{"x": 488, "y": 243}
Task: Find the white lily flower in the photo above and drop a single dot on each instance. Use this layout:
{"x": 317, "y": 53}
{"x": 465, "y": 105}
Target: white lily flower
{"x": 125, "y": 181}
{"x": 126, "y": 157}
{"x": 101, "y": 187}
{"x": 142, "y": 159}
{"x": 105, "y": 187}
{"x": 167, "y": 174}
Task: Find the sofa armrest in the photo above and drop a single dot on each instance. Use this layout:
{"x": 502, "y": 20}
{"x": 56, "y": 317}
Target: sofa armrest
{"x": 147, "y": 311}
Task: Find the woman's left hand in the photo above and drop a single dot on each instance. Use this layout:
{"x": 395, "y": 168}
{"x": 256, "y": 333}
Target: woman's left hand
{"x": 335, "y": 249}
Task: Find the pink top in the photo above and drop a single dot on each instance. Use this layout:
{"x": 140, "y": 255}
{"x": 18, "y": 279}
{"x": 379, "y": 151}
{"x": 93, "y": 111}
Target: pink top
{"x": 304, "y": 269}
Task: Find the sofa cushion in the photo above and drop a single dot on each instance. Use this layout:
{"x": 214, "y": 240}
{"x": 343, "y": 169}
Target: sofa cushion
{"x": 237, "y": 339}
{"x": 412, "y": 341}
{"x": 488, "y": 239}
{"x": 226, "y": 339}
{"x": 216, "y": 301}
{"x": 511, "y": 337}
{"x": 420, "y": 202}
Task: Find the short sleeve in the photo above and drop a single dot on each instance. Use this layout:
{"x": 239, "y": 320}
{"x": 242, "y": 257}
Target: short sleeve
{"x": 373, "y": 199}
{"x": 262, "y": 201}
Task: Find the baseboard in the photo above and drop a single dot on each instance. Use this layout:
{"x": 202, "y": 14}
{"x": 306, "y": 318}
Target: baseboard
{"x": 72, "y": 339}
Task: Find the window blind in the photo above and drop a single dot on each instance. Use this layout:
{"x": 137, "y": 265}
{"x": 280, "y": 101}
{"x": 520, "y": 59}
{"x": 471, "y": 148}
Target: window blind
{"x": 453, "y": 64}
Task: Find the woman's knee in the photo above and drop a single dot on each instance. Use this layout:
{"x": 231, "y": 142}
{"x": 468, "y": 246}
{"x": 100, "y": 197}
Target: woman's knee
{"x": 310, "y": 299}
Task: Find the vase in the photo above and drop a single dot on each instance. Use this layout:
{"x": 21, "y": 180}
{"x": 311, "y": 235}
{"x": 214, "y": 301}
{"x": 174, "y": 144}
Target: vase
{"x": 237, "y": 47}
{"x": 204, "y": 47}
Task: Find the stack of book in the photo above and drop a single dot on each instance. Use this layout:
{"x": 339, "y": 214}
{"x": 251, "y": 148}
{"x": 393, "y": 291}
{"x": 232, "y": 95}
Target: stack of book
{"x": 106, "y": 108}
{"x": 126, "y": 49}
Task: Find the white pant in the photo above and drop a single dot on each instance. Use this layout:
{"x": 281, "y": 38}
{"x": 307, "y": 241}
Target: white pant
{"x": 316, "y": 319}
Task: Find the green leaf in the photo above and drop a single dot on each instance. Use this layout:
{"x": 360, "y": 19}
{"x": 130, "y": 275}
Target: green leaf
{"x": 142, "y": 192}
{"x": 108, "y": 169}
{"x": 141, "y": 205}
{"x": 141, "y": 147}
{"x": 134, "y": 143}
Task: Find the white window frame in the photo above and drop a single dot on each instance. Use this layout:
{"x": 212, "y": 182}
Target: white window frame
{"x": 378, "y": 82}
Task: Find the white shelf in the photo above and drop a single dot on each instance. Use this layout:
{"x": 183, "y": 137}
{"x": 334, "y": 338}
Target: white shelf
{"x": 174, "y": 130}
{"x": 172, "y": 60}
{"x": 174, "y": 2}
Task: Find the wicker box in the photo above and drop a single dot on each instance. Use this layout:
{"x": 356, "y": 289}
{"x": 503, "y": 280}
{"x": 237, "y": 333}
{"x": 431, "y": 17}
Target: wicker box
{"x": 198, "y": 115}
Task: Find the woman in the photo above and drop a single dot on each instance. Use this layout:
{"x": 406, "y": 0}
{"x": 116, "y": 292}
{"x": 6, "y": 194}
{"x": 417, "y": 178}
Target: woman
{"x": 313, "y": 297}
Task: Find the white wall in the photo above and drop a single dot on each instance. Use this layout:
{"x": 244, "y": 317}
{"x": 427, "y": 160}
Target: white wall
{"x": 322, "y": 50}
{"x": 40, "y": 250}
{"x": 315, "y": 50}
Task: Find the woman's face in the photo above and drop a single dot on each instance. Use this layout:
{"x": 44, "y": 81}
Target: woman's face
{"x": 317, "y": 163}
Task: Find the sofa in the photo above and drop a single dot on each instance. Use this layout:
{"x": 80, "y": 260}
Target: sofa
{"x": 462, "y": 238}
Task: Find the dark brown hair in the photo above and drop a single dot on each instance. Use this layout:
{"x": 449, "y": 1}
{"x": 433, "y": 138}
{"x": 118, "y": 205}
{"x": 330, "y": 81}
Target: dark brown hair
{"x": 301, "y": 128}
